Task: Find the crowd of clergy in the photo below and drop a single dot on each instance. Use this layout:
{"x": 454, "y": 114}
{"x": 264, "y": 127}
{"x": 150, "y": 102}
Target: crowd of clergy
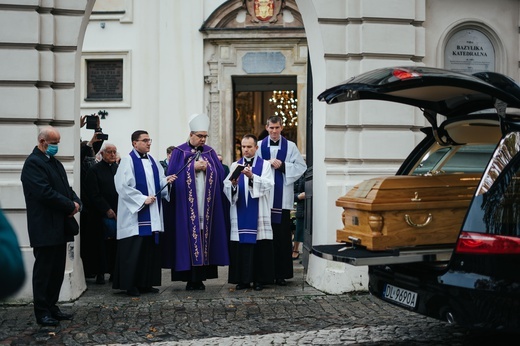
{"x": 190, "y": 214}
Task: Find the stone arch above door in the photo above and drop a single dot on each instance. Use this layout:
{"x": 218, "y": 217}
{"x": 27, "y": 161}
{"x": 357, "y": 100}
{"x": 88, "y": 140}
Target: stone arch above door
{"x": 229, "y": 49}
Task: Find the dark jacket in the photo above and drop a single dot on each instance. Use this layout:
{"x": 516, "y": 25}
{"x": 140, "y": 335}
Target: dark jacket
{"x": 164, "y": 165}
{"x": 299, "y": 186}
{"x": 49, "y": 199}
{"x": 101, "y": 190}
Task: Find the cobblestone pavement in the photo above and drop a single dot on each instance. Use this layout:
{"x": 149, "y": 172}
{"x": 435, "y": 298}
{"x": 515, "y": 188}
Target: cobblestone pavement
{"x": 296, "y": 314}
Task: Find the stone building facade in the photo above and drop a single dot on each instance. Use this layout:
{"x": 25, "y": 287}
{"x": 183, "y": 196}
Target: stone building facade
{"x": 182, "y": 57}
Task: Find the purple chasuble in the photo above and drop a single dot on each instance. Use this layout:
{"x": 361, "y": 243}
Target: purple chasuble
{"x": 187, "y": 244}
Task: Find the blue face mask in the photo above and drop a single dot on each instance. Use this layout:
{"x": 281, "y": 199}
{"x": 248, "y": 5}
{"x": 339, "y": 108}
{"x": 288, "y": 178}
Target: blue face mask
{"x": 52, "y": 149}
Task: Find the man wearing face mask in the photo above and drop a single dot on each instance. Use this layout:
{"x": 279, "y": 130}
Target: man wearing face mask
{"x": 51, "y": 205}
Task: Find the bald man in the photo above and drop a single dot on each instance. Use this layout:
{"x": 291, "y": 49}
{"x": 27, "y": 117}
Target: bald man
{"x": 51, "y": 205}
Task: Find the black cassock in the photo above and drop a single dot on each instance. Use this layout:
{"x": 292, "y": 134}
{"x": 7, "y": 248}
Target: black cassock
{"x": 98, "y": 253}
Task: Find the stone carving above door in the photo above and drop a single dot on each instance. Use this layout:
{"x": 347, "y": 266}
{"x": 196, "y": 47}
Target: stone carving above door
{"x": 261, "y": 14}
{"x": 263, "y": 10}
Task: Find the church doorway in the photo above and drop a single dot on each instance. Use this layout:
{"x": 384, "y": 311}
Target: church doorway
{"x": 256, "y": 98}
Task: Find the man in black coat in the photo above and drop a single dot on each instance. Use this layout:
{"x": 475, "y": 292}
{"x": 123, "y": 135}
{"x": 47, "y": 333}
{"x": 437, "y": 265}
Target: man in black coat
{"x": 51, "y": 205}
{"x": 102, "y": 195}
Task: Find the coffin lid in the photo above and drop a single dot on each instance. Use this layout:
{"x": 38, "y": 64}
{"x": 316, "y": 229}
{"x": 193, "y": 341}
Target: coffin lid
{"x": 441, "y": 91}
{"x": 411, "y": 192}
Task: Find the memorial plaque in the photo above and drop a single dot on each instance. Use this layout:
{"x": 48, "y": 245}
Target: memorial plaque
{"x": 263, "y": 62}
{"x": 469, "y": 51}
{"x": 104, "y": 80}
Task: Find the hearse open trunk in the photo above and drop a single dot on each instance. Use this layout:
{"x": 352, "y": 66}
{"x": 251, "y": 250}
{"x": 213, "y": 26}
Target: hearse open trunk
{"x": 405, "y": 211}
{"x": 401, "y": 219}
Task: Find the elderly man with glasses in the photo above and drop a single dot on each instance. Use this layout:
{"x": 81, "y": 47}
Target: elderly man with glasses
{"x": 102, "y": 196}
{"x": 197, "y": 217}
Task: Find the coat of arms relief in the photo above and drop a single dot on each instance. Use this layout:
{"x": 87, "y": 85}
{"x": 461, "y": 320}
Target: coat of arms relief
{"x": 264, "y": 10}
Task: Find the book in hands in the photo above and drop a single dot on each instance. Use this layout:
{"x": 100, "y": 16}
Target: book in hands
{"x": 236, "y": 172}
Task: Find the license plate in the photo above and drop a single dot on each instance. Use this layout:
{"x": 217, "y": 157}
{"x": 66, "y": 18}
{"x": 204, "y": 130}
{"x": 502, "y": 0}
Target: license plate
{"x": 400, "y": 295}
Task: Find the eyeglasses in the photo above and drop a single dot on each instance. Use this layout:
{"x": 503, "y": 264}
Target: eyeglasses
{"x": 201, "y": 136}
{"x": 146, "y": 140}
{"x": 110, "y": 152}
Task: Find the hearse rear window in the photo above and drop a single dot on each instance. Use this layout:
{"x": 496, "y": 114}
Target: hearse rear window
{"x": 460, "y": 159}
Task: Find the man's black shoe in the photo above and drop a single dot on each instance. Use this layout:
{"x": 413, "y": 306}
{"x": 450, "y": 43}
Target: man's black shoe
{"x": 281, "y": 282}
{"x": 148, "y": 290}
{"x": 258, "y": 286}
{"x": 133, "y": 292}
{"x": 242, "y": 286}
{"x": 195, "y": 286}
{"x": 100, "y": 279}
{"x": 48, "y": 321}
{"x": 61, "y": 316}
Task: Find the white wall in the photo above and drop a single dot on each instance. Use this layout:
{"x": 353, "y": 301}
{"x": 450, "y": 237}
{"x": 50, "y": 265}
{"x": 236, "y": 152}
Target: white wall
{"x": 166, "y": 73}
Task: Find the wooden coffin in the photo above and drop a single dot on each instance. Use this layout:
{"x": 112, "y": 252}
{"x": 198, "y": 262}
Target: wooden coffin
{"x": 402, "y": 211}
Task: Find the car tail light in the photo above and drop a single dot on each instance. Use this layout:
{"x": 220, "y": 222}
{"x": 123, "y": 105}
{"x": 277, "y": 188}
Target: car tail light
{"x": 405, "y": 74}
{"x": 478, "y": 243}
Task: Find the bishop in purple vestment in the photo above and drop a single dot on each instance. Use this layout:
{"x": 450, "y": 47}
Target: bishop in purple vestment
{"x": 197, "y": 216}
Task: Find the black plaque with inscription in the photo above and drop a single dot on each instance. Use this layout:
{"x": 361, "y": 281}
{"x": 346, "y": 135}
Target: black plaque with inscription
{"x": 104, "y": 80}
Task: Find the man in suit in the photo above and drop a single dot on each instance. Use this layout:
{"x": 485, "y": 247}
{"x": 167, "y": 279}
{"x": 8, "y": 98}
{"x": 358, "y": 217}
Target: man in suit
{"x": 51, "y": 205}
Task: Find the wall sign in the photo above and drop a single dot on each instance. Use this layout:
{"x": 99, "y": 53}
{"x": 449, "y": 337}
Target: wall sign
{"x": 263, "y": 62}
{"x": 104, "y": 80}
{"x": 469, "y": 51}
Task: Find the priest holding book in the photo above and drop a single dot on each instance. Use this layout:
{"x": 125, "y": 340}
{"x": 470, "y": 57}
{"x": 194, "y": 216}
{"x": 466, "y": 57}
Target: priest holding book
{"x": 251, "y": 248}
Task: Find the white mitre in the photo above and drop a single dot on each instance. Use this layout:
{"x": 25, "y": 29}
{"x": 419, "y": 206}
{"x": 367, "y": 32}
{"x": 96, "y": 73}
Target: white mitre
{"x": 199, "y": 122}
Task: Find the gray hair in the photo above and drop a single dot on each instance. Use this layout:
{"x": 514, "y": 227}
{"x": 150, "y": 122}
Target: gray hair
{"x": 104, "y": 147}
{"x": 46, "y": 131}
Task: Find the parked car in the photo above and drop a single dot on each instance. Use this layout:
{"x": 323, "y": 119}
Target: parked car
{"x": 475, "y": 281}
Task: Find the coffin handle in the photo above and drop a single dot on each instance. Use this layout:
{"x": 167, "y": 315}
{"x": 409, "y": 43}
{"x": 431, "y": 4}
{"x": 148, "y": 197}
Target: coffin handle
{"x": 409, "y": 221}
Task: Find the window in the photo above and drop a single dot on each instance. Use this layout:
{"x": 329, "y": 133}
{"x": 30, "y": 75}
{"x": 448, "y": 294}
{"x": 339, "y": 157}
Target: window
{"x": 495, "y": 208}
{"x": 464, "y": 159}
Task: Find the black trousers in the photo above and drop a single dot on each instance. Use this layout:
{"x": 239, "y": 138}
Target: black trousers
{"x": 48, "y": 273}
{"x": 138, "y": 263}
{"x": 282, "y": 241}
{"x": 251, "y": 262}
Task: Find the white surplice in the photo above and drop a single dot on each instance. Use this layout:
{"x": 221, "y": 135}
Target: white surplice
{"x": 131, "y": 200}
{"x": 295, "y": 166}
{"x": 261, "y": 189}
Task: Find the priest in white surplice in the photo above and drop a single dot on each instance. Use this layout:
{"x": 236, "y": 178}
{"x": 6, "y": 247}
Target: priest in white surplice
{"x": 138, "y": 182}
{"x": 251, "y": 249}
{"x": 287, "y": 165}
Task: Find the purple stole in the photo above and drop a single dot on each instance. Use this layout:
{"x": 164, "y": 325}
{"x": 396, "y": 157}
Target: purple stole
{"x": 143, "y": 216}
{"x": 276, "y": 210}
{"x": 200, "y": 238}
{"x": 247, "y": 215}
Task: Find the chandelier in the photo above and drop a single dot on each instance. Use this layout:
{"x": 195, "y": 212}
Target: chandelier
{"x": 285, "y": 106}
